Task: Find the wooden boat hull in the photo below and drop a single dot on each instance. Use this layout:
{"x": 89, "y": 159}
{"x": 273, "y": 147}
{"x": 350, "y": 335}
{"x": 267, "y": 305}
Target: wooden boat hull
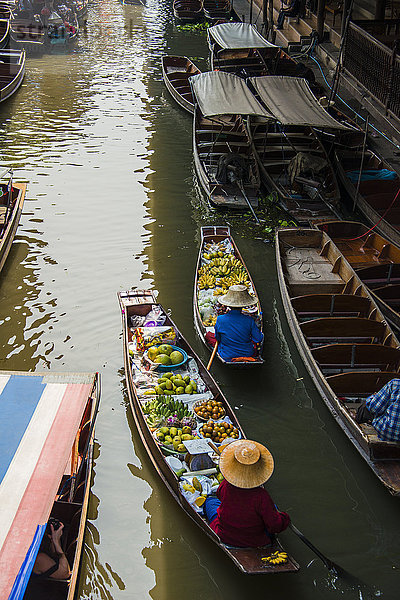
{"x": 28, "y": 36}
{"x": 374, "y": 197}
{"x": 211, "y": 142}
{"x": 248, "y": 560}
{"x": 177, "y": 71}
{"x": 218, "y": 233}
{"x": 4, "y": 32}
{"x": 188, "y": 11}
{"x": 12, "y": 71}
{"x": 374, "y": 258}
{"x": 285, "y": 157}
{"x": 8, "y": 230}
{"x": 362, "y": 368}
{"x": 216, "y": 10}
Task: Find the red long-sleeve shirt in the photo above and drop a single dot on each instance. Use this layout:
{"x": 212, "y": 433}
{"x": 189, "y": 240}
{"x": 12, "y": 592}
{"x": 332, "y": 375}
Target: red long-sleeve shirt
{"x": 244, "y": 515}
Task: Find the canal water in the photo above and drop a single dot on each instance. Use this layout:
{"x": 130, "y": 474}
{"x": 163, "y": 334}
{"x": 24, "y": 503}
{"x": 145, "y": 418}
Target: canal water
{"x": 112, "y": 203}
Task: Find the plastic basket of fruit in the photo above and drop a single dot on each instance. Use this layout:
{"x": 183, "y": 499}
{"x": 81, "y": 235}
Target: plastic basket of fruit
{"x": 171, "y": 439}
{"x": 219, "y": 432}
{"x": 209, "y": 409}
{"x": 166, "y": 357}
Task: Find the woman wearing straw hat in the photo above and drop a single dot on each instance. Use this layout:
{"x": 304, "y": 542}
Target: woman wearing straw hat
{"x": 243, "y": 514}
{"x": 235, "y": 332}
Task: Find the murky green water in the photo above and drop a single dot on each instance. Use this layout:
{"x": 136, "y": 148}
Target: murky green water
{"x": 112, "y": 204}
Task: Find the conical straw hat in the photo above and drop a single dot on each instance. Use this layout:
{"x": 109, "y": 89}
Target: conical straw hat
{"x": 246, "y": 464}
{"x": 237, "y": 297}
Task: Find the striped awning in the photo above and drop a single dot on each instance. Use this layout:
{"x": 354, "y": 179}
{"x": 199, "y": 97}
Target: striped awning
{"x": 39, "y": 418}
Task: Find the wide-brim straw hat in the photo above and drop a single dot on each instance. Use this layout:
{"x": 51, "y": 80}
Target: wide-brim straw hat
{"x": 246, "y": 464}
{"x": 237, "y": 297}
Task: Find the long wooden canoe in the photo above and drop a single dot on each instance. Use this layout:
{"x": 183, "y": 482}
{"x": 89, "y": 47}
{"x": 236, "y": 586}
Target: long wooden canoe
{"x": 47, "y": 425}
{"x": 225, "y": 162}
{"x": 376, "y": 198}
{"x": 28, "y": 35}
{"x": 348, "y": 349}
{"x": 188, "y": 11}
{"x": 294, "y": 163}
{"x": 11, "y": 203}
{"x": 12, "y": 71}
{"x": 374, "y": 258}
{"x": 220, "y": 236}
{"x": 177, "y": 71}
{"x": 135, "y": 305}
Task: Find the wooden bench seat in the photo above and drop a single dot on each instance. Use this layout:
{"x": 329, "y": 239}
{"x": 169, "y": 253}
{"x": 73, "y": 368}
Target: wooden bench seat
{"x": 321, "y": 305}
{"x": 325, "y": 330}
{"x": 365, "y": 357}
{"x": 360, "y": 384}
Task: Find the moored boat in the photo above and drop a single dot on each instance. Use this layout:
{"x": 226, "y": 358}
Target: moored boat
{"x": 177, "y": 71}
{"x": 28, "y": 35}
{"x": 374, "y": 258}
{"x": 12, "y": 71}
{"x": 216, "y": 10}
{"x": 136, "y": 306}
{"x": 47, "y": 429}
{"x": 12, "y": 196}
{"x": 224, "y": 156}
{"x": 292, "y": 159}
{"x": 4, "y": 31}
{"x": 188, "y": 11}
{"x": 378, "y": 195}
{"x": 220, "y": 265}
{"x": 348, "y": 349}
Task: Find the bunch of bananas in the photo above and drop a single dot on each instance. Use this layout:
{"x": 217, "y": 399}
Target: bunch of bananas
{"x": 220, "y": 291}
{"x": 277, "y": 558}
{"x": 206, "y": 281}
{"x": 238, "y": 279}
{"x": 210, "y": 321}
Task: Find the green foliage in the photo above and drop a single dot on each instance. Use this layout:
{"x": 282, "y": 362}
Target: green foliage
{"x": 194, "y": 26}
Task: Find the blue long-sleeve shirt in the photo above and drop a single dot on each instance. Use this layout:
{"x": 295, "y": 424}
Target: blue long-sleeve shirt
{"x": 385, "y": 407}
{"x": 235, "y": 334}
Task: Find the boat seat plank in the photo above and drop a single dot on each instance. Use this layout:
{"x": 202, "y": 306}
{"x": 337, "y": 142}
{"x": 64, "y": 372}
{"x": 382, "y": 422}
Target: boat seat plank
{"x": 342, "y": 327}
{"x": 331, "y": 304}
{"x": 349, "y": 355}
{"x": 360, "y": 384}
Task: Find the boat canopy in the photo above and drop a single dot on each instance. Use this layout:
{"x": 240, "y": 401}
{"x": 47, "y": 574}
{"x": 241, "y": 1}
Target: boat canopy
{"x": 292, "y": 102}
{"x": 220, "y": 93}
{"x": 233, "y": 36}
{"x": 40, "y": 416}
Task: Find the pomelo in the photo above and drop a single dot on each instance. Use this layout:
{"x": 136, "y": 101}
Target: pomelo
{"x": 152, "y": 352}
{"x": 165, "y": 349}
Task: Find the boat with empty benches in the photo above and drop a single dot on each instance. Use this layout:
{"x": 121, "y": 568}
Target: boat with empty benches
{"x": 188, "y": 11}
{"x": 177, "y": 70}
{"x": 12, "y": 71}
{"x": 347, "y": 347}
{"x": 224, "y": 157}
{"x": 12, "y": 196}
{"x": 292, "y": 159}
{"x": 136, "y": 307}
{"x": 375, "y": 191}
{"x": 374, "y": 258}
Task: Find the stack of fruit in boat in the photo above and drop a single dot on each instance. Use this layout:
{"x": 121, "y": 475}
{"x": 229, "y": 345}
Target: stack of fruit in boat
{"x": 183, "y": 427}
{"x": 219, "y": 266}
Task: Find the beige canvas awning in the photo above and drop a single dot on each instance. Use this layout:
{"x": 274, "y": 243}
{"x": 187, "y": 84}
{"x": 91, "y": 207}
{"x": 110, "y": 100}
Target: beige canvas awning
{"x": 292, "y": 102}
{"x": 220, "y": 93}
{"x": 237, "y": 35}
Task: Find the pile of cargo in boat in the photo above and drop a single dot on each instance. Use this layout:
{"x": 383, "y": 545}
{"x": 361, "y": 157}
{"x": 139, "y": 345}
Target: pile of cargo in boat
{"x": 177, "y": 425}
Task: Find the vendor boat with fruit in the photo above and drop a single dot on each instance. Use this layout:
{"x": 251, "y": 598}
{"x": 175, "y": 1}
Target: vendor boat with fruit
{"x": 177, "y": 425}
{"x": 219, "y": 266}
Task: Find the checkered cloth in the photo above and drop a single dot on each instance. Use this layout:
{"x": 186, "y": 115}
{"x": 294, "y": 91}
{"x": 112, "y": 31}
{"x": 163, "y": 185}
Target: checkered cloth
{"x": 385, "y": 406}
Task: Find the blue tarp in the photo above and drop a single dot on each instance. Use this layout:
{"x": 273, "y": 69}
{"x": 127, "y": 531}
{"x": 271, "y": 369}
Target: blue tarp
{"x": 372, "y": 174}
{"x": 21, "y": 581}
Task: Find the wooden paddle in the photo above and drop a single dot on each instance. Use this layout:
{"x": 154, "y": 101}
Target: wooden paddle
{"x": 212, "y": 356}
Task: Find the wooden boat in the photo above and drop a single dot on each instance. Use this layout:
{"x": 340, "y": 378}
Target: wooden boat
{"x": 28, "y": 35}
{"x": 12, "y": 71}
{"x": 215, "y": 142}
{"x": 348, "y": 349}
{"x": 188, "y": 11}
{"x": 135, "y": 305}
{"x": 177, "y": 71}
{"x": 4, "y": 32}
{"x": 80, "y": 8}
{"x": 377, "y": 198}
{"x": 47, "y": 426}
{"x": 293, "y": 162}
{"x": 240, "y": 49}
{"x": 5, "y": 12}
{"x": 216, "y": 10}
{"x": 220, "y": 236}
{"x": 12, "y": 196}
{"x": 374, "y": 258}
